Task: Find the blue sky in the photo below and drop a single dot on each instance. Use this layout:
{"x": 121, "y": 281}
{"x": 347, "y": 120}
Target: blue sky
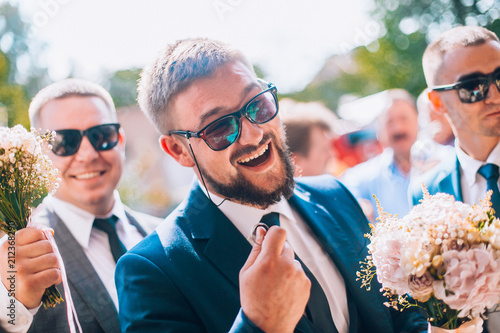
{"x": 288, "y": 39}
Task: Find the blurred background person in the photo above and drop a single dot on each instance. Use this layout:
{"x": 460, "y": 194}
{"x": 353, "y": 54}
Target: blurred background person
{"x": 387, "y": 175}
{"x": 309, "y": 132}
{"x": 435, "y": 138}
{"x": 433, "y": 124}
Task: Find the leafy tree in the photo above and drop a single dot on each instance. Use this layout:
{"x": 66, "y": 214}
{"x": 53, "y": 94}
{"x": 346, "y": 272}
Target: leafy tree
{"x": 13, "y": 101}
{"x": 122, "y": 86}
{"x": 20, "y": 74}
{"x": 395, "y": 59}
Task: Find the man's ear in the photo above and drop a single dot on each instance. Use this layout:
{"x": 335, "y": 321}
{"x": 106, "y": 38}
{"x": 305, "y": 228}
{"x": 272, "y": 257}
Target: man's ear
{"x": 437, "y": 104}
{"x": 121, "y": 141}
{"x": 121, "y": 136}
{"x": 175, "y": 148}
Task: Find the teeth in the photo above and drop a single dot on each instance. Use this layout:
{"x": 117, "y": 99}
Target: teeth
{"x": 87, "y": 175}
{"x": 260, "y": 153}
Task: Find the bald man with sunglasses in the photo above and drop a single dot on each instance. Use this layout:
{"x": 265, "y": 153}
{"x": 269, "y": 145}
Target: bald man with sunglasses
{"x": 462, "y": 70}
{"x": 92, "y": 227}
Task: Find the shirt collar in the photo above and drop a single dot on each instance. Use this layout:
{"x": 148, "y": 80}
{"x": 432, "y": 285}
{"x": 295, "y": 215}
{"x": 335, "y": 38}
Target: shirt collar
{"x": 470, "y": 166}
{"x": 245, "y": 217}
{"x": 78, "y": 221}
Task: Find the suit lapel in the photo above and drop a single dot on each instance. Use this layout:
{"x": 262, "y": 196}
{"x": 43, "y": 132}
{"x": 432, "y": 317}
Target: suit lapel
{"x": 340, "y": 243}
{"x": 136, "y": 224}
{"x": 451, "y": 183}
{"x": 225, "y": 246}
{"x": 83, "y": 278}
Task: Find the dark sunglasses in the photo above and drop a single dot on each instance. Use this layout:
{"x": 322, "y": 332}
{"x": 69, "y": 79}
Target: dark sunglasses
{"x": 474, "y": 89}
{"x": 102, "y": 137}
{"x": 223, "y": 132}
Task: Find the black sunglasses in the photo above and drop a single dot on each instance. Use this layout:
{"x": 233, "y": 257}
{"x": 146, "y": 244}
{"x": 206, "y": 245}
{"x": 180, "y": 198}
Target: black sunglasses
{"x": 474, "y": 89}
{"x": 223, "y": 132}
{"x": 102, "y": 137}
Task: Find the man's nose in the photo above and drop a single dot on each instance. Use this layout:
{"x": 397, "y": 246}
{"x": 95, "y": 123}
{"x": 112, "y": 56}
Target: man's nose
{"x": 493, "y": 95}
{"x": 251, "y": 134}
{"x": 86, "y": 152}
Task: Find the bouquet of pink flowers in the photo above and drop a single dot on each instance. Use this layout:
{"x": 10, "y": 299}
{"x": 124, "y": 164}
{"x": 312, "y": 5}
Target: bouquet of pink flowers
{"x": 444, "y": 254}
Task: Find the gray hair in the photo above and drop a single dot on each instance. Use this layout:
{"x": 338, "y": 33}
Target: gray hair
{"x": 66, "y": 88}
{"x": 392, "y": 96}
{"x": 450, "y": 40}
{"x": 175, "y": 68}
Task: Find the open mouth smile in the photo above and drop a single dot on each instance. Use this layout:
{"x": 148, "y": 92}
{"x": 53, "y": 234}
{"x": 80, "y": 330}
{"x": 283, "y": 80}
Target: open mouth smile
{"x": 258, "y": 158}
{"x": 88, "y": 175}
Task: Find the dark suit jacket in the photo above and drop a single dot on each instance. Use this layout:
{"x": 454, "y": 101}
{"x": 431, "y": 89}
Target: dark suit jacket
{"x": 444, "y": 178}
{"x": 95, "y": 309}
{"x": 187, "y": 281}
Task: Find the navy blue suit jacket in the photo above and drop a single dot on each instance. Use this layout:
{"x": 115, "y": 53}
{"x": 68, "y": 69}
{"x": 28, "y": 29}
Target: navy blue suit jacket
{"x": 188, "y": 280}
{"x": 445, "y": 178}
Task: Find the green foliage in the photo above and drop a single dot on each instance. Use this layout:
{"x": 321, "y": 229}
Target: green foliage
{"x": 13, "y": 100}
{"x": 20, "y": 75}
{"x": 122, "y": 85}
{"x": 394, "y": 60}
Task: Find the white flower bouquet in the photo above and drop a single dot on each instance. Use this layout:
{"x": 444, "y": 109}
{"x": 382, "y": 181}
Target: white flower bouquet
{"x": 444, "y": 256}
{"x": 26, "y": 177}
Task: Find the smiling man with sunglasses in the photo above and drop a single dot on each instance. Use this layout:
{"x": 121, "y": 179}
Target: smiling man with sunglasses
{"x": 462, "y": 70}
{"x": 92, "y": 227}
{"x": 210, "y": 267}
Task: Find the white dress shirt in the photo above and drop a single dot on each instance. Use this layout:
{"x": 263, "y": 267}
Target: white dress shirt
{"x": 473, "y": 189}
{"x": 306, "y": 246}
{"x": 473, "y": 184}
{"x": 95, "y": 245}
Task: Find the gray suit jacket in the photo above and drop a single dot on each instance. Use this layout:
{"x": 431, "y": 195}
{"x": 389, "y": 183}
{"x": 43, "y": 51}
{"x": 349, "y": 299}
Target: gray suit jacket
{"x": 95, "y": 309}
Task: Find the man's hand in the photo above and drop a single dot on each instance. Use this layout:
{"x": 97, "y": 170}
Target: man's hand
{"x": 274, "y": 289}
{"x": 36, "y": 266}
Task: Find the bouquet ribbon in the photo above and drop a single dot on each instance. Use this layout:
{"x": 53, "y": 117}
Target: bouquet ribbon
{"x": 473, "y": 326}
{"x": 70, "y": 306}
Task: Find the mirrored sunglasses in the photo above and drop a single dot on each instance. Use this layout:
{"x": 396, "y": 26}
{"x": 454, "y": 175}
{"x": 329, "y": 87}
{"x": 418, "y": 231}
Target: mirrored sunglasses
{"x": 102, "y": 137}
{"x": 223, "y": 132}
{"x": 474, "y": 89}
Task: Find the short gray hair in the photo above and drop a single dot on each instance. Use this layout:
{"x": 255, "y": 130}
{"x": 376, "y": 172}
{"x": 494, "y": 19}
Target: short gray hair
{"x": 400, "y": 95}
{"x": 175, "y": 68}
{"x": 66, "y": 88}
{"x": 450, "y": 40}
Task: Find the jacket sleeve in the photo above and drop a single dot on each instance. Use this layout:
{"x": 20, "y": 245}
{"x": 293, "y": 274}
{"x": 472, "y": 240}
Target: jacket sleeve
{"x": 411, "y": 320}
{"x": 150, "y": 302}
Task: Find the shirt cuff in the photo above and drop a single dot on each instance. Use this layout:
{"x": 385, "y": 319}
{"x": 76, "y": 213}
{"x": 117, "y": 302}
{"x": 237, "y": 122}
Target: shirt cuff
{"x": 14, "y": 316}
{"x": 244, "y": 325}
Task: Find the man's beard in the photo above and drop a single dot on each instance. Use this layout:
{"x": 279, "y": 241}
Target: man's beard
{"x": 243, "y": 191}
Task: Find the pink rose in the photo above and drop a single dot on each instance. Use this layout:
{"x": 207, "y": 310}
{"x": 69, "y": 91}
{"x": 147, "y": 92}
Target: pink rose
{"x": 421, "y": 287}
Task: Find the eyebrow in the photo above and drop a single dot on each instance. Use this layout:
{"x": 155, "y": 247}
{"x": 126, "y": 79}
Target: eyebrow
{"x": 217, "y": 110}
{"x": 475, "y": 75}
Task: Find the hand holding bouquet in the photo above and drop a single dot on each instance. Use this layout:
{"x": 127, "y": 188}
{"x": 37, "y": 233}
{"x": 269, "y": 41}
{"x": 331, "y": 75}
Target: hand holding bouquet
{"x": 444, "y": 254}
{"x": 26, "y": 177}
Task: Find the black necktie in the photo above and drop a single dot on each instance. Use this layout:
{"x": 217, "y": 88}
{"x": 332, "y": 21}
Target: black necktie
{"x": 317, "y": 310}
{"x": 108, "y": 225}
{"x": 490, "y": 172}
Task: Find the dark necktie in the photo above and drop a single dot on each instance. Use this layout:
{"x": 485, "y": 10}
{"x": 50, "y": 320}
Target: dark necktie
{"x": 108, "y": 225}
{"x": 490, "y": 172}
{"x": 317, "y": 310}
